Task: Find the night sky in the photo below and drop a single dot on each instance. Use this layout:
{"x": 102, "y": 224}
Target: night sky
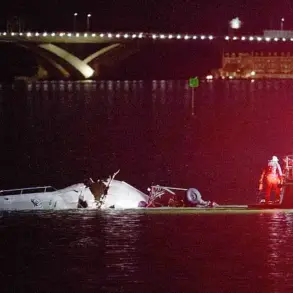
{"x": 150, "y": 15}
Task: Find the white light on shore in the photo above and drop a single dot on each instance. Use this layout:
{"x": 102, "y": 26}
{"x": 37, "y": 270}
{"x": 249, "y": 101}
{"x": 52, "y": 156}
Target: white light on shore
{"x": 235, "y": 23}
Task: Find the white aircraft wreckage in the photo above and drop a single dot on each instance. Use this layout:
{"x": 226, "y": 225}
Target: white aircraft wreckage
{"x": 93, "y": 195}
{"x": 101, "y": 194}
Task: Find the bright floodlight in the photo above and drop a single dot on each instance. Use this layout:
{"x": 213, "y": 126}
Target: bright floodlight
{"x": 89, "y": 15}
{"x": 75, "y": 14}
{"x": 235, "y": 23}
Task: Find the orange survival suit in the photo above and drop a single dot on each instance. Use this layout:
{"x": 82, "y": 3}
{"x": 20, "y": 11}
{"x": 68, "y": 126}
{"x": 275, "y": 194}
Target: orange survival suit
{"x": 271, "y": 179}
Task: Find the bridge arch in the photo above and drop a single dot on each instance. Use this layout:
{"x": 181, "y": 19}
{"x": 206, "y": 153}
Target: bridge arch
{"x": 107, "y": 61}
{"x": 62, "y": 71}
{"x": 78, "y": 64}
{"x": 100, "y": 52}
{"x": 67, "y": 65}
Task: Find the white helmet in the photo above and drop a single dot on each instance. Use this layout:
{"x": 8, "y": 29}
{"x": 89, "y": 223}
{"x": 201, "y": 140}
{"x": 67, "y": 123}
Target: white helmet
{"x": 275, "y": 159}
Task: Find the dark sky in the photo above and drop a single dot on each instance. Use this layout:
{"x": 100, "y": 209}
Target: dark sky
{"x": 151, "y": 15}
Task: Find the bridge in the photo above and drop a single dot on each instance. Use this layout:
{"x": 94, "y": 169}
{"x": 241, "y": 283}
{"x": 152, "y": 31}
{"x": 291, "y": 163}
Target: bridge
{"x": 54, "y": 47}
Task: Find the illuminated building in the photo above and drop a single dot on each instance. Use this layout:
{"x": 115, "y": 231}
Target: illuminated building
{"x": 256, "y": 65}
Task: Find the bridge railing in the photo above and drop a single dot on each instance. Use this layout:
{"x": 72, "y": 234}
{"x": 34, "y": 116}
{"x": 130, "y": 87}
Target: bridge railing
{"x": 142, "y": 35}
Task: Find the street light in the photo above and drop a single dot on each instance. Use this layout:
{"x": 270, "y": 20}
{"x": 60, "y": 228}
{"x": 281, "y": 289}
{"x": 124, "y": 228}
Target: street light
{"x": 88, "y": 22}
{"x": 234, "y": 24}
{"x": 74, "y": 21}
{"x": 282, "y": 23}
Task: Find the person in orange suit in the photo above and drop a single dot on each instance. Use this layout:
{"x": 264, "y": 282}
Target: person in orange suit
{"x": 271, "y": 179}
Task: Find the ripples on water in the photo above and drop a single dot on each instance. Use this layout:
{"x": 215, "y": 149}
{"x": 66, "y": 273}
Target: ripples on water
{"x": 145, "y": 252}
{"x": 62, "y": 132}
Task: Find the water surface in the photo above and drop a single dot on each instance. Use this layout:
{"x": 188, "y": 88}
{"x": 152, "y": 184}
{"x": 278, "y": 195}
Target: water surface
{"x": 60, "y": 133}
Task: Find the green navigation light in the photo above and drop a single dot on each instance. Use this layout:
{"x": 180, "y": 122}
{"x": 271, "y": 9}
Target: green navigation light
{"x": 193, "y": 82}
